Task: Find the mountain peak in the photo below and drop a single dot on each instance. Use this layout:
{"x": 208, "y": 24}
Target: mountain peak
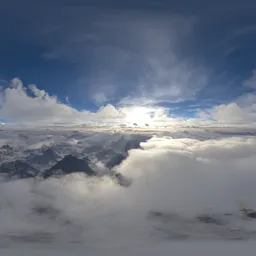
{"x": 70, "y": 164}
{"x": 18, "y": 168}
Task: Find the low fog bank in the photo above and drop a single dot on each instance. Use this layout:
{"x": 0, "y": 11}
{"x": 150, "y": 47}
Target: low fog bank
{"x": 173, "y": 181}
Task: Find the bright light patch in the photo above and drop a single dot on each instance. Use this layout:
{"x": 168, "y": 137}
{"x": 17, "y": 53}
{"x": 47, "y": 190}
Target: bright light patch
{"x": 140, "y": 116}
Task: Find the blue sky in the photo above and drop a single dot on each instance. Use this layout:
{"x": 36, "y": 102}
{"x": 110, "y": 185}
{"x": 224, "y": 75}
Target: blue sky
{"x": 182, "y": 55}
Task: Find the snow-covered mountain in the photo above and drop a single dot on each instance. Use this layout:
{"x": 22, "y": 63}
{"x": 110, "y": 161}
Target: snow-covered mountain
{"x": 70, "y": 164}
{"x": 113, "y": 151}
{"x": 39, "y": 153}
{"x": 45, "y": 160}
{"x": 6, "y": 152}
{"x": 6, "y": 149}
{"x": 18, "y": 169}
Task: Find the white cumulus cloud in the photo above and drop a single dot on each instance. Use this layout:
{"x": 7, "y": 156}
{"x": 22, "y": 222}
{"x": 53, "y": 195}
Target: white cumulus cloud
{"x": 18, "y": 105}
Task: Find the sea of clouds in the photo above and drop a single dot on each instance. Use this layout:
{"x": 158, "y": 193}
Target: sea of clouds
{"x": 181, "y": 178}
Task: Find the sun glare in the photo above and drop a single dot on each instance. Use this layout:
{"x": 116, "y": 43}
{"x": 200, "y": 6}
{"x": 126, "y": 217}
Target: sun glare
{"x": 140, "y": 116}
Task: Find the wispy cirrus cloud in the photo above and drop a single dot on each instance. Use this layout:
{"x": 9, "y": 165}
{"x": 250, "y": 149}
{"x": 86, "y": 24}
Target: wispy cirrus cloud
{"x": 137, "y": 55}
{"x": 251, "y": 82}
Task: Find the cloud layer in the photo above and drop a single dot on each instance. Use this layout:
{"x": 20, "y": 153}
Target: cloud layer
{"x": 184, "y": 177}
{"x": 30, "y": 105}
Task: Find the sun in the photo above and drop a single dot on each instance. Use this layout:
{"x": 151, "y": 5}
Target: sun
{"x": 139, "y": 115}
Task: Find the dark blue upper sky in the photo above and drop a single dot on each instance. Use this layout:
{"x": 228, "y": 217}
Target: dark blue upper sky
{"x": 172, "y": 53}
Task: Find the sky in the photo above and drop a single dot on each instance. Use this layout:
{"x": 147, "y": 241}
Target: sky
{"x": 105, "y": 60}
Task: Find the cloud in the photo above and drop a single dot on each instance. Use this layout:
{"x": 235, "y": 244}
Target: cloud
{"x": 232, "y": 113}
{"x": 37, "y": 93}
{"x": 183, "y": 177}
{"x": 22, "y": 104}
{"x": 126, "y": 53}
{"x": 251, "y": 83}
{"x": 31, "y": 105}
{"x": 240, "y": 111}
{"x": 18, "y": 105}
{"x": 188, "y": 176}
{"x": 102, "y": 93}
{"x": 67, "y": 100}
{"x": 169, "y": 80}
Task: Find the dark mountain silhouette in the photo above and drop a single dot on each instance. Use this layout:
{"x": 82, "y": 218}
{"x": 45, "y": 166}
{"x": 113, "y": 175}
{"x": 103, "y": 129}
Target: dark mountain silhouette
{"x": 115, "y": 160}
{"x": 125, "y": 143}
{"x": 134, "y": 144}
{"x": 70, "y": 164}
